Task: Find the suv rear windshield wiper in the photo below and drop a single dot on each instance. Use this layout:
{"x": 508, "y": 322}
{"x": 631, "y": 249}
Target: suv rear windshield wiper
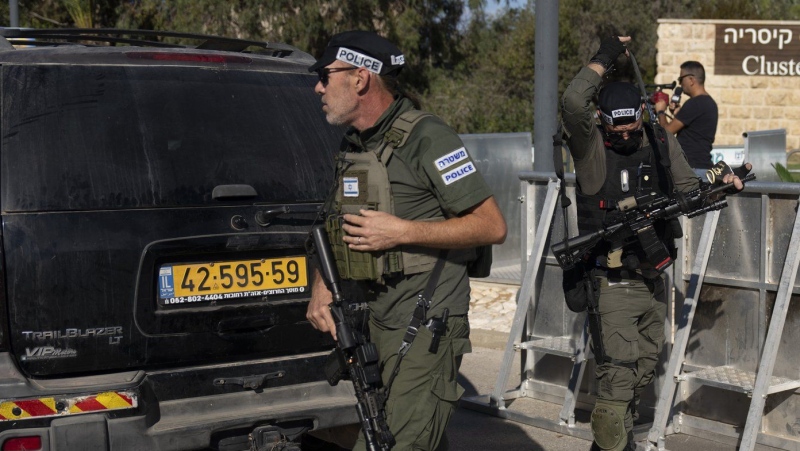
{"x": 263, "y": 218}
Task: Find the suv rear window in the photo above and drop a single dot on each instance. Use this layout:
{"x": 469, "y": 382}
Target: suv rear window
{"x": 98, "y": 137}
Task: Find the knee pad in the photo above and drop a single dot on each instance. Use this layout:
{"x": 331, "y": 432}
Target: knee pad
{"x": 608, "y": 425}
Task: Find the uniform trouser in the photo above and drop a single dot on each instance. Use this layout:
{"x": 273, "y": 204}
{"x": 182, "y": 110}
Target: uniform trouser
{"x": 425, "y": 392}
{"x": 632, "y": 315}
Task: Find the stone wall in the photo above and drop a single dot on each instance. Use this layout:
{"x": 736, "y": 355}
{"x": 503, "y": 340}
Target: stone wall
{"x": 746, "y": 103}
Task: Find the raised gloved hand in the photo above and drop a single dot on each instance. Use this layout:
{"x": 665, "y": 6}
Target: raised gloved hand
{"x": 610, "y": 49}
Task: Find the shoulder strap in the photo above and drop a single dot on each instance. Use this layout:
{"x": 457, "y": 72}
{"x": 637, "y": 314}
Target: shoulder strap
{"x": 558, "y": 163}
{"x": 658, "y": 142}
{"x": 401, "y": 129}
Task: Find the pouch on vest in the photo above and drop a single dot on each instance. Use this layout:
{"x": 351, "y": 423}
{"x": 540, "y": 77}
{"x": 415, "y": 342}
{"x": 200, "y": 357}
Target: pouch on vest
{"x": 574, "y": 285}
{"x": 481, "y": 266}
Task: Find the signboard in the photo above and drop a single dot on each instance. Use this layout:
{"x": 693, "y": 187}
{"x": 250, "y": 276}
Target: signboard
{"x": 735, "y": 156}
{"x": 757, "y": 49}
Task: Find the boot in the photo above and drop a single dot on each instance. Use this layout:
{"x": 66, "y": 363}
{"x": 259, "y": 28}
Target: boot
{"x": 631, "y": 446}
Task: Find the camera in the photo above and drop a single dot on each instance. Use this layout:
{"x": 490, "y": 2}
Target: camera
{"x": 658, "y": 92}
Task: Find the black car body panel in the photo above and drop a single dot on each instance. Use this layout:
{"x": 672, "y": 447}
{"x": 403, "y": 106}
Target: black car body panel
{"x": 134, "y": 259}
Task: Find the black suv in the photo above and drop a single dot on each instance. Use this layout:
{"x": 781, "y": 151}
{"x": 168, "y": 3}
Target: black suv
{"x": 156, "y": 199}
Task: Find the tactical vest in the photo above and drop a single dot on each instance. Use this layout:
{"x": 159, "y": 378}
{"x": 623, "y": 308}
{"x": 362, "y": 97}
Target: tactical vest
{"x": 363, "y": 183}
{"x": 625, "y": 174}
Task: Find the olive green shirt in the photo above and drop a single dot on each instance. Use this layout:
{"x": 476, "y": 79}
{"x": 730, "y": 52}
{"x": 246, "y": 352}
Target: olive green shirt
{"x": 431, "y": 176}
{"x": 585, "y": 140}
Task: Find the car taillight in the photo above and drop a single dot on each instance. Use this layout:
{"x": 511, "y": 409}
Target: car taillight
{"x": 32, "y": 443}
{"x": 191, "y": 57}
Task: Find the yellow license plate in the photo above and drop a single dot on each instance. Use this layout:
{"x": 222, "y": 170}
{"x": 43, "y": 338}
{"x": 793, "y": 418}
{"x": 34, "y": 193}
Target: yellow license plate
{"x": 230, "y": 280}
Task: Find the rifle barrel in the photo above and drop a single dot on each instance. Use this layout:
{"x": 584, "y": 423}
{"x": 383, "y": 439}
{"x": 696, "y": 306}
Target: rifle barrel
{"x": 327, "y": 264}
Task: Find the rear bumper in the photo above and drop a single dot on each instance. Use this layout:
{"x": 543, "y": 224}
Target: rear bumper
{"x": 192, "y": 423}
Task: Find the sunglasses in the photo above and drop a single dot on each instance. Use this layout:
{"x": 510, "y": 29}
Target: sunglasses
{"x": 324, "y": 74}
{"x": 620, "y": 135}
{"x": 680, "y": 79}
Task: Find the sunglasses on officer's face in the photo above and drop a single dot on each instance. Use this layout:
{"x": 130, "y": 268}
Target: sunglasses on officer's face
{"x": 631, "y": 133}
{"x": 325, "y": 73}
{"x": 680, "y": 79}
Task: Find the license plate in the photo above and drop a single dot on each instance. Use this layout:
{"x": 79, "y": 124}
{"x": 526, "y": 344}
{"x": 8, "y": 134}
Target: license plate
{"x": 231, "y": 280}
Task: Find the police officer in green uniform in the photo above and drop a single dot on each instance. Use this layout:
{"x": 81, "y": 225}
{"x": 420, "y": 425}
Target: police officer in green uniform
{"x": 405, "y": 189}
{"x": 613, "y": 159}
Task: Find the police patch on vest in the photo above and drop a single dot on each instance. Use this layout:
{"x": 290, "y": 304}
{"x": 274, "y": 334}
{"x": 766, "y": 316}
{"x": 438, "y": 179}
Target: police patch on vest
{"x": 350, "y": 186}
{"x": 459, "y": 173}
{"x": 451, "y": 159}
{"x": 359, "y": 59}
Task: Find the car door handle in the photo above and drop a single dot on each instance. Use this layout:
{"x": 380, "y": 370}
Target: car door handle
{"x": 263, "y": 218}
{"x": 246, "y": 324}
{"x": 233, "y": 192}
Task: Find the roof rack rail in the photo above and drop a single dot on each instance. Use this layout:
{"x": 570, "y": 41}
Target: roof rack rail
{"x": 149, "y": 38}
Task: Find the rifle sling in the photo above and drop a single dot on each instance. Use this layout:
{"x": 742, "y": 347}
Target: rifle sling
{"x": 558, "y": 165}
{"x": 418, "y": 318}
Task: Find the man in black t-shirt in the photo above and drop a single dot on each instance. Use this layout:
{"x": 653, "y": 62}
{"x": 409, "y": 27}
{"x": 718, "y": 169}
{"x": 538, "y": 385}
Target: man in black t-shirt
{"x": 695, "y": 124}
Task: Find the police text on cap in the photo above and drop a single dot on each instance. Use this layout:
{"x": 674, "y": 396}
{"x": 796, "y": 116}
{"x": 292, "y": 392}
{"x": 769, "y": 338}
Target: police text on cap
{"x": 359, "y": 59}
{"x": 624, "y": 112}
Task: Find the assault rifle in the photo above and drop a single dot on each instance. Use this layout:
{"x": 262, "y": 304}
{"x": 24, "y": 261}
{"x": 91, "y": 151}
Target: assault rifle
{"x": 638, "y": 215}
{"x": 354, "y": 357}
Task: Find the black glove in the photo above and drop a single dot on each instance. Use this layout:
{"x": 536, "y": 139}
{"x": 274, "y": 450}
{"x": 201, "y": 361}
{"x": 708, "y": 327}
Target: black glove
{"x": 721, "y": 169}
{"x": 718, "y": 172}
{"x": 610, "y": 49}
{"x": 742, "y": 171}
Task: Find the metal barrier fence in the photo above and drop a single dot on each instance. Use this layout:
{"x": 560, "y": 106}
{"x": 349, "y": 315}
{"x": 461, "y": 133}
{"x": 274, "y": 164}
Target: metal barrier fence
{"x": 497, "y": 155}
{"x": 731, "y": 367}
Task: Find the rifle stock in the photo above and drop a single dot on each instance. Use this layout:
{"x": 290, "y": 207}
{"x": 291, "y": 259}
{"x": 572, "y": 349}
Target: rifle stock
{"x": 571, "y": 251}
{"x": 359, "y": 357}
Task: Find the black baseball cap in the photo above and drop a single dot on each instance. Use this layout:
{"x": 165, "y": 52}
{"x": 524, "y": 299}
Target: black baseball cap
{"x": 363, "y": 49}
{"x": 620, "y": 103}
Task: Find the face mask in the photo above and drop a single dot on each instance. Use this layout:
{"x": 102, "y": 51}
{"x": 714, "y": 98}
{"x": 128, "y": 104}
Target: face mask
{"x": 617, "y": 143}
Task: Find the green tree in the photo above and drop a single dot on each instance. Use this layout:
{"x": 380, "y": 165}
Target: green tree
{"x": 492, "y": 89}
{"x": 474, "y": 70}
{"x": 81, "y": 12}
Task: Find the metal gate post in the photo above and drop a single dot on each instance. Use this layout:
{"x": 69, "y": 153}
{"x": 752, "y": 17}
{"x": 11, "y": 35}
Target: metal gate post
{"x": 776, "y": 323}
{"x": 567, "y": 415}
{"x": 526, "y": 300}
{"x": 667, "y": 393}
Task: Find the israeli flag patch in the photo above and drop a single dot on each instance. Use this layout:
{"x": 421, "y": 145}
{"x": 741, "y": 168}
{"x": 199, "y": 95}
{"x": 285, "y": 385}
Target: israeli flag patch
{"x": 451, "y": 158}
{"x": 350, "y": 186}
{"x": 459, "y": 173}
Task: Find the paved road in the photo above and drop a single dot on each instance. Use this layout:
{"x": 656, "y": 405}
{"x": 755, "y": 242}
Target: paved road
{"x": 470, "y": 430}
